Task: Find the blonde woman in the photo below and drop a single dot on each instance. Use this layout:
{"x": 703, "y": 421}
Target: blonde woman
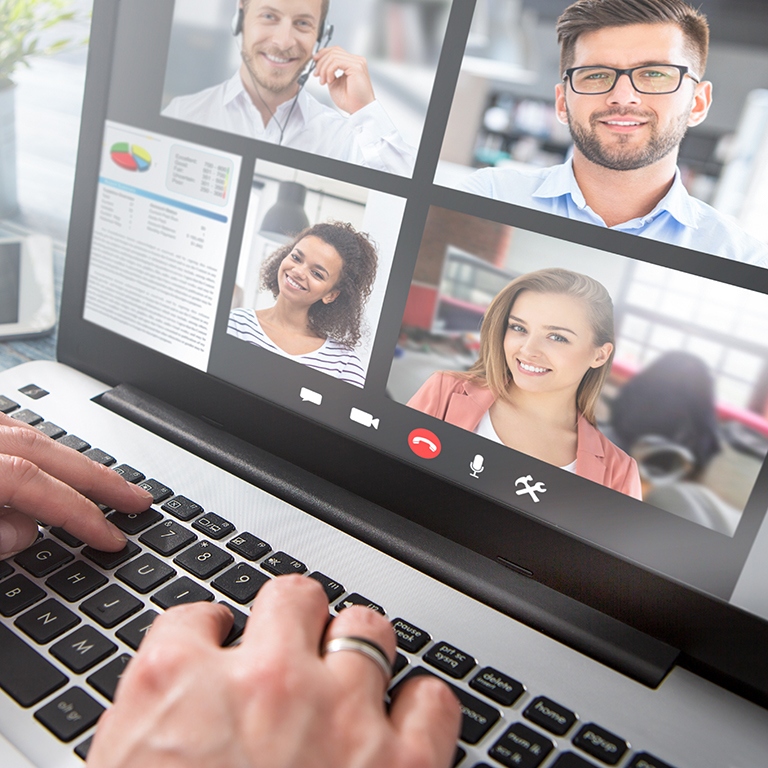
{"x": 546, "y": 347}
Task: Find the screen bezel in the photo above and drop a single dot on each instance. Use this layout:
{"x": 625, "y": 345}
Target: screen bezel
{"x": 660, "y": 607}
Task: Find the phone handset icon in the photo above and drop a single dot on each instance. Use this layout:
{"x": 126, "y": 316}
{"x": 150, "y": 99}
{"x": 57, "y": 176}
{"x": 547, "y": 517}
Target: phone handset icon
{"x": 432, "y": 447}
{"x": 424, "y": 443}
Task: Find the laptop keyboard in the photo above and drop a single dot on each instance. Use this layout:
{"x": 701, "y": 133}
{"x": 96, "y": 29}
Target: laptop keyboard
{"x": 66, "y": 598}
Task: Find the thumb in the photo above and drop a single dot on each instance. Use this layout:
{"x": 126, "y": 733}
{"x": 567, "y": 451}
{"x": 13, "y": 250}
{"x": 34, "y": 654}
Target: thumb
{"x": 17, "y": 532}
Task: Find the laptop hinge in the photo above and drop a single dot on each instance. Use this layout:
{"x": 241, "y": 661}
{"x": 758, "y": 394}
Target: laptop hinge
{"x": 585, "y": 629}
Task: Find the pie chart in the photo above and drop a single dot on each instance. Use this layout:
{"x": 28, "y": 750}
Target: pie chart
{"x": 130, "y": 157}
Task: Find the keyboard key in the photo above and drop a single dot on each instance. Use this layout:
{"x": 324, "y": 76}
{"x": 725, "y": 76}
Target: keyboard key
{"x": 168, "y": 537}
{"x": 25, "y": 416}
{"x": 134, "y": 631}
{"x": 111, "y": 606}
{"x": 355, "y": 599}
{"x": 203, "y": 559}
{"x": 572, "y": 760}
{"x": 478, "y": 717}
{"x": 333, "y": 590}
{"x": 159, "y": 491}
{"x": 52, "y": 430}
{"x": 100, "y": 457}
{"x": 66, "y": 537}
{"x": 502, "y": 688}
{"x": 249, "y": 546}
{"x": 181, "y": 591}
{"x": 213, "y": 525}
{"x": 182, "y": 508}
{"x": 75, "y": 443}
{"x": 129, "y": 474}
{"x": 47, "y": 621}
{"x": 237, "y": 627}
{"x": 24, "y": 674}
{"x": 282, "y": 564}
{"x": 401, "y": 662}
{"x": 145, "y": 573}
{"x": 110, "y": 560}
{"x": 241, "y": 583}
{"x": 6, "y": 569}
{"x": 33, "y": 392}
{"x": 135, "y": 523}
{"x": 459, "y": 755}
{"x": 550, "y": 715}
{"x": 82, "y": 649}
{"x": 76, "y": 581}
{"x": 450, "y": 660}
{"x": 70, "y": 714}
{"x": 81, "y": 750}
{"x": 521, "y": 747}
{"x": 409, "y": 638}
{"x": 43, "y": 557}
{"x": 18, "y": 593}
{"x": 644, "y": 760}
{"x": 604, "y": 745}
{"x": 105, "y": 680}
{"x": 7, "y": 405}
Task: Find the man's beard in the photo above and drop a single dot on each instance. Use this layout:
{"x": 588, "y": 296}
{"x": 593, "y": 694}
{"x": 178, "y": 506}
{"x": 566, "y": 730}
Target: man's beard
{"x": 621, "y": 157}
{"x": 272, "y": 85}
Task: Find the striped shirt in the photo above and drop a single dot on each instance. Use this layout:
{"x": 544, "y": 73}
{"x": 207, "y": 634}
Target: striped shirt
{"x": 332, "y": 358}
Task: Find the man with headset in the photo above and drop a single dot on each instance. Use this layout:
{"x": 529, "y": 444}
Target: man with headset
{"x": 283, "y": 42}
{"x": 632, "y": 84}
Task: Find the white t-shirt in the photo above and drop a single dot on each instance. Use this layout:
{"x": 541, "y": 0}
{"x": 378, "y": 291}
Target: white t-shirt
{"x": 367, "y": 137}
{"x": 332, "y": 358}
{"x": 485, "y": 429}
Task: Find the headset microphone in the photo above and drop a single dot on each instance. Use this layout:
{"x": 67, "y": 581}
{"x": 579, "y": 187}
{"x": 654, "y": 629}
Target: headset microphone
{"x": 322, "y": 42}
{"x": 237, "y": 19}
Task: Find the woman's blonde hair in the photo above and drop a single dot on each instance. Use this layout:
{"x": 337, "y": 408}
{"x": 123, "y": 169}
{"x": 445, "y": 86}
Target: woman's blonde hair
{"x": 491, "y": 365}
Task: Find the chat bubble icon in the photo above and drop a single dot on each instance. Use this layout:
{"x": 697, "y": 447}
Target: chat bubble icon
{"x": 308, "y": 396}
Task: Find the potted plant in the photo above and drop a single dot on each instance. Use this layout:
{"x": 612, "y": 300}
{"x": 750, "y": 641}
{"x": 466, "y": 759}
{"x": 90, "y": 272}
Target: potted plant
{"x": 23, "y": 25}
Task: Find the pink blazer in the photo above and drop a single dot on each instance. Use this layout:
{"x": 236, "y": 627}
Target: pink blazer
{"x": 463, "y": 403}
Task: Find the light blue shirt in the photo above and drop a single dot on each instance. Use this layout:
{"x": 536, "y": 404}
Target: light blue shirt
{"x": 678, "y": 218}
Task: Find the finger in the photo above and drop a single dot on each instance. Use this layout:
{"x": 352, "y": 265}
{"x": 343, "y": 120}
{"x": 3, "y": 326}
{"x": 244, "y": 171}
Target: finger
{"x": 426, "y": 715}
{"x": 27, "y": 489}
{"x": 354, "y": 668}
{"x": 288, "y": 615}
{"x": 91, "y": 479}
{"x": 179, "y": 643}
{"x": 17, "y": 532}
{"x": 206, "y": 623}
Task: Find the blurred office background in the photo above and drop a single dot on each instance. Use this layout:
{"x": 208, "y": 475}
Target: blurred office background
{"x": 503, "y": 109}
{"x": 704, "y": 341}
{"x": 400, "y": 39}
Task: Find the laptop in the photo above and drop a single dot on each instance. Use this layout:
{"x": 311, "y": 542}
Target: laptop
{"x": 579, "y": 624}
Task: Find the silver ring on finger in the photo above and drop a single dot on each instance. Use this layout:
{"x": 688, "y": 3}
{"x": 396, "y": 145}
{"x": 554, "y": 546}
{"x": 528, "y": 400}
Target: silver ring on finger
{"x": 365, "y": 647}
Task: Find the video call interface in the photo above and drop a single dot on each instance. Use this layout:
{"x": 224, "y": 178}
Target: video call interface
{"x": 340, "y": 239}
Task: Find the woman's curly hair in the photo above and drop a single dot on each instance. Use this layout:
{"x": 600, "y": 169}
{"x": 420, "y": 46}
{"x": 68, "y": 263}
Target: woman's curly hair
{"x": 342, "y": 319}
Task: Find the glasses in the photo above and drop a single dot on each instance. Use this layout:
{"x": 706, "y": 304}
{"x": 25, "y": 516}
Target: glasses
{"x": 651, "y": 78}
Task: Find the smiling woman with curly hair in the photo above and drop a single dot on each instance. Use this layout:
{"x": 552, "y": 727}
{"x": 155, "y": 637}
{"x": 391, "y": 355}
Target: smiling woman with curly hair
{"x": 321, "y": 282}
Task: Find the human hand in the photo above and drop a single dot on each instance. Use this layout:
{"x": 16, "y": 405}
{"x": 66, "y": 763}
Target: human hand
{"x": 273, "y": 700}
{"x": 346, "y": 76}
{"x": 43, "y": 480}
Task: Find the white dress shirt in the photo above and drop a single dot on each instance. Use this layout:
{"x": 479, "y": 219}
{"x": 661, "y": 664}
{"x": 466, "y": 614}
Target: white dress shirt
{"x": 367, "y": 137}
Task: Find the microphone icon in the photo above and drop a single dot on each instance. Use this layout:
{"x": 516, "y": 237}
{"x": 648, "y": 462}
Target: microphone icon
{"x": 476, "y": 465}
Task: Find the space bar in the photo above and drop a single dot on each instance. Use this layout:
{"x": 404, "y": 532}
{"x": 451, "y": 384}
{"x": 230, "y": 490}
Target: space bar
{"x": 24, "y": 674}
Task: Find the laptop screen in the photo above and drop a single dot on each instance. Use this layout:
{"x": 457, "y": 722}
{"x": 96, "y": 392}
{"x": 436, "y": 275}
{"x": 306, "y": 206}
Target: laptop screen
{"x": 408, "y": 223}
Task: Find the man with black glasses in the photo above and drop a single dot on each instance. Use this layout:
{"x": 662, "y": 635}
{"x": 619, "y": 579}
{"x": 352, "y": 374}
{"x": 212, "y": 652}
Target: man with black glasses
{"x": 632, "y": 85}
